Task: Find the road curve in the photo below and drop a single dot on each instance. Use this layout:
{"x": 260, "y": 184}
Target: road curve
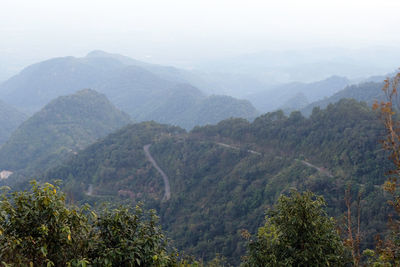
{"x": 167, "y": 194}
{"x": 319, "y": 169}
{"x": 237, "y": 148}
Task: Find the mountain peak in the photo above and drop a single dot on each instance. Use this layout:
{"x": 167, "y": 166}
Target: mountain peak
{"x": 64, "y": 126}
{"x": 88, "y": 91}
{"x": 99, "y": 53}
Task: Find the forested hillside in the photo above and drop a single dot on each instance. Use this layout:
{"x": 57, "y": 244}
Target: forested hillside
{"x": 224, "y": 177}
{"x": 63, "y": 127}
{"x": 10, "y": 119}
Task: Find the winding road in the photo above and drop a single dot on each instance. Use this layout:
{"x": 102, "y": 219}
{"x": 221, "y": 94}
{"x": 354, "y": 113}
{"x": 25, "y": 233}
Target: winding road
{"x": 319, "y": 169}
{"x": 167, "y": 194}
{"x": 237, "y": 148}
{"x": 167, "y": 187}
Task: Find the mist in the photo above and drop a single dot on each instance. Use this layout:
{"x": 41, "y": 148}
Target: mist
{"x": 189, "y": 33}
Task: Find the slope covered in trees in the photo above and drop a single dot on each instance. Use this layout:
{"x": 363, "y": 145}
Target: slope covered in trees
{"x": 224, "y": 177}
{"x": 10, "y": 119}
{"x": 63, "y": 127}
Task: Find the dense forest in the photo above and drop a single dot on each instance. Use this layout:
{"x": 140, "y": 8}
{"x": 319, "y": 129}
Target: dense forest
{"x": 224, "y": 177}
{"x": 10, "y": 119}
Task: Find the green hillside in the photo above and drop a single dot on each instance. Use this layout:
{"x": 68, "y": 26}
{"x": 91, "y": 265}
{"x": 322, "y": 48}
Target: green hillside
{"x": 10, "y": 119}
{"x": 63, "y": 127}
{"x": 224, "y": 177}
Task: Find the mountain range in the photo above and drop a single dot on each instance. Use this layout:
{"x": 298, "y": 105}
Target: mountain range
{"x": 308, "y": 64}
{"x": 368, "y": 92}
{"x": 222, "y": 175}
{"x": 144, "y": 91}
{"x": 296, "y": 95}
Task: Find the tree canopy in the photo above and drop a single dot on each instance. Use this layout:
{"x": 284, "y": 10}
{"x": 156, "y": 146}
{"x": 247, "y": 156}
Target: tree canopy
{"x": 38, "y": 228}
{"x": 297, "y": 232}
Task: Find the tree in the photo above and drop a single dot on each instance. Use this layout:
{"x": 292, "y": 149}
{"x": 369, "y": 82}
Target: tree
{"x": 388, "y": 250}
{"x": 297, "y": 232}
{"x": 353, "y": 235}
{"x": 38, "y": 228}
{"x": 124, "y": 238}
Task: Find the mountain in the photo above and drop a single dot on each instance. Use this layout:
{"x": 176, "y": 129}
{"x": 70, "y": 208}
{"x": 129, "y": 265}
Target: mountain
{"x": 216, "y": 107}
{"x": 10, "y": 119}
{"x": 63, "y": 127}
{"x": 297, "y": 102}
{"x": 168, "y": 73}
{"x": 144, "y": 91}
{"x": 284, "y": 96}
{"x": 368, "y": 92}
{"x": 145, "y": 97}
{"x": 222, "y": 178}
{"x": 38, "y": 84}
{"x": 188, "y": 109}
{"x": 234, "y": 84}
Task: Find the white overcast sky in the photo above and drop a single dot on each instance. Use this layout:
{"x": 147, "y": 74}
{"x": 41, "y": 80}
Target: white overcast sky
{"x": 184, "y": 30}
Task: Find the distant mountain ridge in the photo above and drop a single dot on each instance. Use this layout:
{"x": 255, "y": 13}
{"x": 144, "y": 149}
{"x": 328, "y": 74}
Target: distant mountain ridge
{"x": 284, "y": 96}
{"x": 144, "y": 91}
{"x": 309, "y": 64}
{"x": 168, "y": 73}
{"x": 368, "y": 92}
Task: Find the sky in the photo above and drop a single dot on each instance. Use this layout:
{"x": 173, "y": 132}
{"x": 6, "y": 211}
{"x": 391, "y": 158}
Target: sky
{"x": 181, "y": 32}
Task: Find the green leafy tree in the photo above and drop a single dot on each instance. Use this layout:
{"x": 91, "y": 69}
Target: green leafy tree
{"x": 38, "y": 228}
{"x": 297, "y": 232}
{"x": 128, "y": 239}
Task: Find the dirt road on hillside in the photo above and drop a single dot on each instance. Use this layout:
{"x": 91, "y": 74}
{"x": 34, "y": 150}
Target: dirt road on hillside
{"x": 167, "y": 194}
{"x": 319, "y": 169}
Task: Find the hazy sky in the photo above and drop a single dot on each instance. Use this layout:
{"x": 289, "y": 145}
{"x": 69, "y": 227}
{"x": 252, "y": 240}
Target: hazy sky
{"x": 179, "y": 31}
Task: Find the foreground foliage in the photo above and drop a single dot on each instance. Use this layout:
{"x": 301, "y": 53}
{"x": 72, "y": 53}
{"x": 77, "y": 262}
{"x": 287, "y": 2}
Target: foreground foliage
{"x": 38, "y": 228}
{"x": 297, "y": 232}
